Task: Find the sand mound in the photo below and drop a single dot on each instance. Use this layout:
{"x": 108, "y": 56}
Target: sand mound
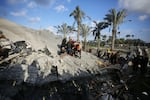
{"x": 37, "y": 38}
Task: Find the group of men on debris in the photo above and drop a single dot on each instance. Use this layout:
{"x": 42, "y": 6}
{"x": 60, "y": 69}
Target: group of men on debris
{"x": 141, "y": 59}
{"x": 138, "y": 58}
{"x": 71, "y": 47}
{"x": 110, "y": 55}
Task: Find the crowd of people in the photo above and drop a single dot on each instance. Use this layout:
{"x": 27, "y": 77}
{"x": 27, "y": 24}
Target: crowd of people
{"x": 71, "y": 47}
{"x": 138, "y": 58}
{"x": 110, "y": 55}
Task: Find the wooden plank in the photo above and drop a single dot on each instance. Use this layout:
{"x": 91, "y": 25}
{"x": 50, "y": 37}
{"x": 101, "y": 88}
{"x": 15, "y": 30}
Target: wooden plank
{"x": 10, "y": 57}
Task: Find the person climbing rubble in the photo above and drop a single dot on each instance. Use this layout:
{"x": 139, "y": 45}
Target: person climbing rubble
{"x": 63, "y": 45}
{"x": 70, "y": 45}
{"x": 114, "y": 57}
{"x": 107, "y": 54}
{"x": 77, "y": 49}
{"x": 140, "y": 61}
{"x": 145, "y": 59}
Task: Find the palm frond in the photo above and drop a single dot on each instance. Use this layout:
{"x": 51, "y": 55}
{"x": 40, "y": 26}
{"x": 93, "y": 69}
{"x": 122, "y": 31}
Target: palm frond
{"x": 114, "y": 15}
{"x": 99, "y": 26}
{"x": 78, "y": 14}
{"x": 85, "y": 30}
{"x": 120, "y": 16}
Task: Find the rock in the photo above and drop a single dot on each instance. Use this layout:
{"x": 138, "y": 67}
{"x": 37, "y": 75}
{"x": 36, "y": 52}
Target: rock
{"x": 61, "y": 61}
{"x": 46, "y": 51}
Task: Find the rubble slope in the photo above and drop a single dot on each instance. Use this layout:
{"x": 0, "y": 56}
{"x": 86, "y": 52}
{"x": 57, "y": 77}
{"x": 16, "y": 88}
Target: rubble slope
{"x": 37, "y": 67}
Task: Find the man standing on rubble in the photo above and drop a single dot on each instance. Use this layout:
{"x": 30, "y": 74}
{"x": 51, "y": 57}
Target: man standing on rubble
{"x": 145, "y": 59}
{"x": 70, "y": 46}
{"x": 63, "y": 45}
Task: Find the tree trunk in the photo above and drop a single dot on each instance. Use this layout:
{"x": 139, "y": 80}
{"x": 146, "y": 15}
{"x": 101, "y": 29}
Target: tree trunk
{"x": 64, "y": 35}
{"x": 98, "y": 41}
{"x": 113, "y": 39}
{"x": 98, "y": 44}
{"x": 78, "y": 35}
{"x": 85, "y": 43}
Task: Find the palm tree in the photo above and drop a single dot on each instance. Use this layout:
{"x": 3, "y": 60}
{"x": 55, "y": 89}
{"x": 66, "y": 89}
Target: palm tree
{"x": 115, "y": 18}
{"x": 118, "y": 33}
{"x": 128, "y": 36}
{"x": 132, "y": 36}
{"x": 78, "y": 14}
{"x": 85, "y": 31}
{"x": 109, "y": 40}
{"x": 97, "y": 32}
{"x": 64, "y": 29}
{"x": 104, "y": 38}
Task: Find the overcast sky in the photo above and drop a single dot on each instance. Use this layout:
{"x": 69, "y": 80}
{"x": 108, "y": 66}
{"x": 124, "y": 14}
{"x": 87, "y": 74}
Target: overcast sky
{"x": 48, "y": 13}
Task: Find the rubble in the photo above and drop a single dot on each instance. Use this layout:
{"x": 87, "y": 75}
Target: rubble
{"x": 40, "y": 67}
{"x": 98, "y": 87}
{"x": 31, "y": 69}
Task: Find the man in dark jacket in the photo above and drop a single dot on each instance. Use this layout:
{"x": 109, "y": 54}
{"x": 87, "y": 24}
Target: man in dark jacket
{"x": 63, "y": 46}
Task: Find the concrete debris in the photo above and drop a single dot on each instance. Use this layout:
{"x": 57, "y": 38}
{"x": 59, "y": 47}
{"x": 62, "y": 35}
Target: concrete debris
{"x": 31, "y": 69}
{"x": 42, "y": 66}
